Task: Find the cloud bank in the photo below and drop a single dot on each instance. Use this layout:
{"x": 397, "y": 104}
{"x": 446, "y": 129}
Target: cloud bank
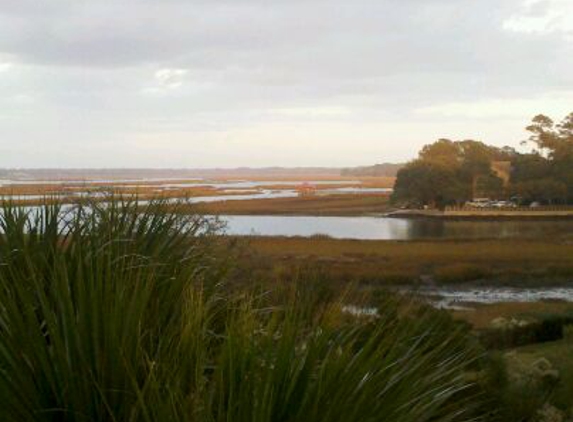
{"x": 251, "y": 82}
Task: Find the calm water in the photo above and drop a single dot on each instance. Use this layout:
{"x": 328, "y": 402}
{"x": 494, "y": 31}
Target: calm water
{"x": 393, "y": 228}
{"x": 458, "y": 298}
{"x": 381, "y": 228}
{"x": 465, "y": 299}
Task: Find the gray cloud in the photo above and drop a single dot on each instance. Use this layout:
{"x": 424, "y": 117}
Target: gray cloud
{"x": 238, "y": 70}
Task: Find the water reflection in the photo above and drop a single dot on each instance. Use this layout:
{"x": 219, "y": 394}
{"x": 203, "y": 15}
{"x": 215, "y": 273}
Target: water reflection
{"x": 393, "y": 228}
{"x": 375, "y": 228}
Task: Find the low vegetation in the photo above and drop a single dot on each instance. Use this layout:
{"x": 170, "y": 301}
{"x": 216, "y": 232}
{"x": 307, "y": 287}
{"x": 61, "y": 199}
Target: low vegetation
{"x": 332, "y": 205}
{"x": 378, "y": 262}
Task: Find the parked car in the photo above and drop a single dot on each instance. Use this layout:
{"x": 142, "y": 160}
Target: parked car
{"x": 488, "y": 203}
{"x": 504, "y": 204}
{"x": 479, "y": 203}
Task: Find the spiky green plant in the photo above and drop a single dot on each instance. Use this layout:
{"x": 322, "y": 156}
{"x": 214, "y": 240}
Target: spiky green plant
{"x": 115, "y": 312}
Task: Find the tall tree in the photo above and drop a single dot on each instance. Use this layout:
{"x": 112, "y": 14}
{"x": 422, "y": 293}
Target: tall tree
{"x": 555, "y": 141}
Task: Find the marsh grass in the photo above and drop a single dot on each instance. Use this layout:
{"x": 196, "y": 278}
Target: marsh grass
{"x": 116, "y": 312}
{"x": 318, "y": 205}
{"x": 539, "y": 262}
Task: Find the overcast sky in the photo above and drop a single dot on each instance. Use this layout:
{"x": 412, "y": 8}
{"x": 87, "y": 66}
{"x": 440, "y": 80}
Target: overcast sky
{"x": 203, "y": 83}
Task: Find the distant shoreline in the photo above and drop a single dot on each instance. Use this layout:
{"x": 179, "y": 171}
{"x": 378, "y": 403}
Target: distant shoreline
{"x": 485, "y": 215}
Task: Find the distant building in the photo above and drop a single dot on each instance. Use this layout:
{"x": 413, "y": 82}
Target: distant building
{"x": 306, "y": 189}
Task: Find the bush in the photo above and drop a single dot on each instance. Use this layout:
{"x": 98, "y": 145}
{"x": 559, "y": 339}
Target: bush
{"x": 568, "y": 333}
{"x": 118, "y": 313}
{"x": 516, "y": 392}
{"x": 549, "y": 327}
{"x": 460, "y": 273}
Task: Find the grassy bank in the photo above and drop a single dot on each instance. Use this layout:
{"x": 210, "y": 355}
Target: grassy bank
{"x": 519, "y": 262}
{"x": 489, "y": 214}
{"x": 334, "y": 205}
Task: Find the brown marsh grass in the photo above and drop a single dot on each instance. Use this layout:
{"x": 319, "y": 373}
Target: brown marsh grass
{"x": 389, "y": 262}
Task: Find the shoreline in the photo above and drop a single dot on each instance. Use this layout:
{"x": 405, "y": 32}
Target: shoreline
{"x": 483, "y": 215}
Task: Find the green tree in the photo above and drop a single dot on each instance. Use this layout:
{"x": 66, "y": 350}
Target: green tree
{"x": 546, "y": 190}
{"x": 427, "y": 183}
{"x": 442, "y": 152}
{"x": 489, "y": 186}
{"x": 555, "y": 142}
{"x": 449, "y": 172}
{"x": 527, "y": 167}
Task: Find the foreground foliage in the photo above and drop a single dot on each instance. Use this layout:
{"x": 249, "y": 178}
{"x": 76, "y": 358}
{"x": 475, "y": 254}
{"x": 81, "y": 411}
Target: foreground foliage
{"x": 116, "y": 313}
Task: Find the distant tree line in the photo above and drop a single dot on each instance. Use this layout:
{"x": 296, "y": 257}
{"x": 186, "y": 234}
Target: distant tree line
{"x": 453, "y": 172}
{"x": 377, "y": 170}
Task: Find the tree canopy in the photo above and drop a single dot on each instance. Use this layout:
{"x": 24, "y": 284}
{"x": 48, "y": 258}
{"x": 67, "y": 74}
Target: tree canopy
{"x": 450, "y": 172}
